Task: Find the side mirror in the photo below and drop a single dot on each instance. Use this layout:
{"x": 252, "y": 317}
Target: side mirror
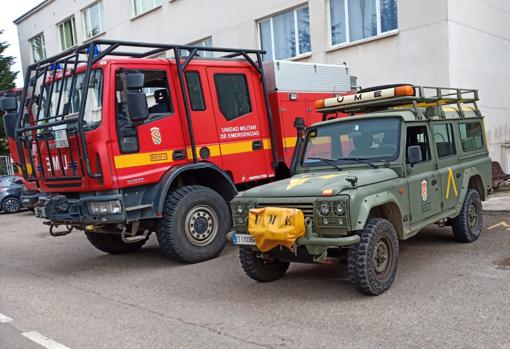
{"x": 137, "y": 108}
{"x": 414, "y": 155}
{"x": 8, "y": 104}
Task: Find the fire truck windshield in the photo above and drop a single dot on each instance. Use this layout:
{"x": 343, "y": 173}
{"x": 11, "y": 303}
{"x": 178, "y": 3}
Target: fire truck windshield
{"x": 67, "y": 104}
{"x": 355, "y": 141}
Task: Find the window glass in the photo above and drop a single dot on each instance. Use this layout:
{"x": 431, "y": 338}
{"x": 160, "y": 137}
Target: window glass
{"x": 141, "y": 6}
{"x": 38, "y": 48}
{"x": 286, "y": 35}
{"x": 195, "y": 90}
{"x": 369, "y": 139}
{"x": 418, "y": 135}
{"x": 207, "y": 42}
{"x": 443, "y": 137}
{"x": 93, "y": 17}
{"x": 67, "y": 33}
{"x": 471, "y": 136}
{"x": 353, "y": 20}
{"x": 233, "y": 95}
{"x": 156, "y": 90}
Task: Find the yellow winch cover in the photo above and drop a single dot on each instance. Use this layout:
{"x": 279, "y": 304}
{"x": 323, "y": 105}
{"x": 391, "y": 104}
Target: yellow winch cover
{"x": 275, "y": 226}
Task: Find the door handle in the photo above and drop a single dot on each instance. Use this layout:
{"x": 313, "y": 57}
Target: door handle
{"x": 434, "y": 182}
{"x": 178, "y": 155}
{"x": 256, "y": 145}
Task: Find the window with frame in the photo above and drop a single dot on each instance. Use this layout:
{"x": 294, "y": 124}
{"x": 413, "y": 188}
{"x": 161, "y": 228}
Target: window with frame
{"x": 286, "y": 35}
{"x": 471, "y": 136}
{"x": 93, "y": 19}
{"x": 38, "y": 47}
{"x": 354, "y": 20}
{"x": 194, "y": 86}
{"x": 142, "y": 6}
{"x": 156, "y": 89}
{"x": 67, "y": 33}
{"x": 233, "y": 95}
{"x": 443, "y": 137}
{"x": 418, "y": 135}
{"x": 207, "y": 42}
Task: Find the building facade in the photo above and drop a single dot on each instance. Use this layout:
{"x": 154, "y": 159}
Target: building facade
{"x": 457, "y": 43}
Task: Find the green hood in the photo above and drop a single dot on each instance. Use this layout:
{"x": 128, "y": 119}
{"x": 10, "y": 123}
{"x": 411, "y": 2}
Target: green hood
{"x": 313, "y": 184}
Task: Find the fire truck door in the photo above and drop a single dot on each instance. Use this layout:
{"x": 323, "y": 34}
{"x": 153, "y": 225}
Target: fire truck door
{"x": 241, "y": 123}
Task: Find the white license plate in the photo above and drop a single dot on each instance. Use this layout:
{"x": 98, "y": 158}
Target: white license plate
{"x": 243, "y": 239}
{"x": 61, "y": 139}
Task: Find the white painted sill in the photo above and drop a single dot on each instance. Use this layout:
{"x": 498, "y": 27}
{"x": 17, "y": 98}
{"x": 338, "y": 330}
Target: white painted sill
{"x": 94, "y": 37}
{"x": 146, "y": 12}
{"x": 363, "y": 41}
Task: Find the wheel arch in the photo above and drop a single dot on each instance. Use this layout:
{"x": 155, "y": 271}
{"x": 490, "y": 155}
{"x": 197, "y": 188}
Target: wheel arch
{"x": 382, "y": 205}
{"x": 476, "y": 183}
{"x": 202, "y": 173}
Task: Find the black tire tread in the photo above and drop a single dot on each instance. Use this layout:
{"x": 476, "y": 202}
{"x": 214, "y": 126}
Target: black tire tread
{"x": 461, "y": 230}
{"x": 258, "y": 271}
{"x": 359, "y": 266}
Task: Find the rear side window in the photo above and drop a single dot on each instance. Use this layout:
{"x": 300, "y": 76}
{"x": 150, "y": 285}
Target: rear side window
{"x": 443, "y": 137}
{"x": 417, "y": 135}
{"x": 233, "y": 95}
{"x": 195, "y": 91}
{"x": 471, "y": 136}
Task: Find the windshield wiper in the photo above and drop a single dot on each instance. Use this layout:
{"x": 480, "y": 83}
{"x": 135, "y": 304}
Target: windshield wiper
{"x": 330, "y": 162}
{"x": 361, "y": 161}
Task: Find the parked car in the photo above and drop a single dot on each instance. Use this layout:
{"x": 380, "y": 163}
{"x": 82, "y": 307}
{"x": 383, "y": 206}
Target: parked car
{"x": 11, "y": 188}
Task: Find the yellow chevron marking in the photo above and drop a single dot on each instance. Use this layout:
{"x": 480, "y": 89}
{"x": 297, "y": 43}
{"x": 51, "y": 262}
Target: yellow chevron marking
{"x": 451, "y": 183}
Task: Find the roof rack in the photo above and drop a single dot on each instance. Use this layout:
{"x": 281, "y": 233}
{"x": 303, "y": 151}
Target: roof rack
{"x": 413, "y": 97}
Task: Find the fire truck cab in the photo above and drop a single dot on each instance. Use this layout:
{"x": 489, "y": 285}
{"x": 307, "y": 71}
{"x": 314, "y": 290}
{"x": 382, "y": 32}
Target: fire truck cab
{"x": 123, "y": 144}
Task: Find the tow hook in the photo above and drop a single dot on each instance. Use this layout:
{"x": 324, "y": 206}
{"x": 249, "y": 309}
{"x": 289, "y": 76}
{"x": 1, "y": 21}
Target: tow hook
{"x": 69, "y": 229}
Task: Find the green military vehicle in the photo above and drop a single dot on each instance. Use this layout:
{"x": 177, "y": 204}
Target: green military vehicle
{"x": 404, "y": 157}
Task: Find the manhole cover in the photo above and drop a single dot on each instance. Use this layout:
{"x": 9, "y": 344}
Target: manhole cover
{"x": 504, "y": 264}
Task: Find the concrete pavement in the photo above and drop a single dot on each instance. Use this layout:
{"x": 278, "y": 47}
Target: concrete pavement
{"x": 446, "y": 294}
{"x": 499, "y": 201}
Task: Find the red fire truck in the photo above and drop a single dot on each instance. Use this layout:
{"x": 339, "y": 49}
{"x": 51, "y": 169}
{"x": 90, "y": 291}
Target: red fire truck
{"x": 123, "y": 144}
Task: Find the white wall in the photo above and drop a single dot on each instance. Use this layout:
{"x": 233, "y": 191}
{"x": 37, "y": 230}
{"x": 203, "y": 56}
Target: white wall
{"x": 480, "y": 58}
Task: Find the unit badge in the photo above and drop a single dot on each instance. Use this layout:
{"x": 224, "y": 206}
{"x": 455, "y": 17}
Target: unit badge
{"x": 424, "y": 190}
{"x": 156, "y": 135}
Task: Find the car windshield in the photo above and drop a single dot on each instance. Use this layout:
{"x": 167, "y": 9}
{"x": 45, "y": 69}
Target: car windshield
{"x": 353, "y": 141}
{"x": 6, "y": 181}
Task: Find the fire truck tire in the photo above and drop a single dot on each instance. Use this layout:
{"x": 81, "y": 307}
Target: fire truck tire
{"x": 194, "y": 225}
{"x": 113, "y": 244}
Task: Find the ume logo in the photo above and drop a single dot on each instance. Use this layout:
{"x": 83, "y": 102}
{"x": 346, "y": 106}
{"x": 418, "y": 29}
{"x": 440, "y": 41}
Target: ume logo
{"x": 56, "y": 163}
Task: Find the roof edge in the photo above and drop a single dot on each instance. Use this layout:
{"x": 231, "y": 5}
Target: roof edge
{"x": 32, "y": 11}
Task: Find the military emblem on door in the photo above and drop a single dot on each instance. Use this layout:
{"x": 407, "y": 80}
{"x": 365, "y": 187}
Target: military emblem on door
{"x": 424, "y": 190}
{"x": 156, "y": 135}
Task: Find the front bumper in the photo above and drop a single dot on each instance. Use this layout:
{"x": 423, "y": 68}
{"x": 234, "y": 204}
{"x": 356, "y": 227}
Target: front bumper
{"x": 30, "y": 199}
{"x": 60, "y": 209}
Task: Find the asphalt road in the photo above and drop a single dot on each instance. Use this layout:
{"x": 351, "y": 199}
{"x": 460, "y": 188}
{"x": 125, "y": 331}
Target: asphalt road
{"x": 446, "y": 295}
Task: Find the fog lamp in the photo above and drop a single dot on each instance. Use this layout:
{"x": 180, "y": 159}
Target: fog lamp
{"x": 105, "y": 207}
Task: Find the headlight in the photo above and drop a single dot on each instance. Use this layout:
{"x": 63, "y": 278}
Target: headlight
{"x": 339, "y": 208}
{"x": 324, "y": 208}
{"x": 239, "y": 209}
{"x": 105, "y": 207}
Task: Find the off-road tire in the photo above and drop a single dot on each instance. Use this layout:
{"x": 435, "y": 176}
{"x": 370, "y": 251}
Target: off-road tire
{"x": 260, "y": 269}
{"x": 113, "y": 244}
{"x": 362, "y": 264}
{"x": 179, "y": 237}
{"x": 466, "y": 227}
{"x": 11, "y": 204}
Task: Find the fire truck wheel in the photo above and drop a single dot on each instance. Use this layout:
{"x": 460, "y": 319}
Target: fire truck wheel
{"x": 194, "y": 225}
{"x": 112, "y": 244}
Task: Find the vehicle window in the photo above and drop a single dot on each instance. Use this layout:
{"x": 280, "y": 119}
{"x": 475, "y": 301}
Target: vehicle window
{"x": 156, "y": 90}
{"x": 369, "y": 139}
{"x": 195, "y": 90}
{"x": 233, "y": 95}
{"x": 418, "y": 135}
{"x": 18, "y": 181}
{"x": 471, "y": 136}
{"x": 443, "y": 137}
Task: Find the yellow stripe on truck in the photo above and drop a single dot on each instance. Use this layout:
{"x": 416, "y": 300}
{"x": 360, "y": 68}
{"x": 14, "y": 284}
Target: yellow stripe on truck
{"x": 165, "y": 156}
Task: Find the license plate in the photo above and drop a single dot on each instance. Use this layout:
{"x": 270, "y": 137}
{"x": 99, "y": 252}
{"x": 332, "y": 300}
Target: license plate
{"x": 61, "y": 139}
{"x": 243, "y": 239}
